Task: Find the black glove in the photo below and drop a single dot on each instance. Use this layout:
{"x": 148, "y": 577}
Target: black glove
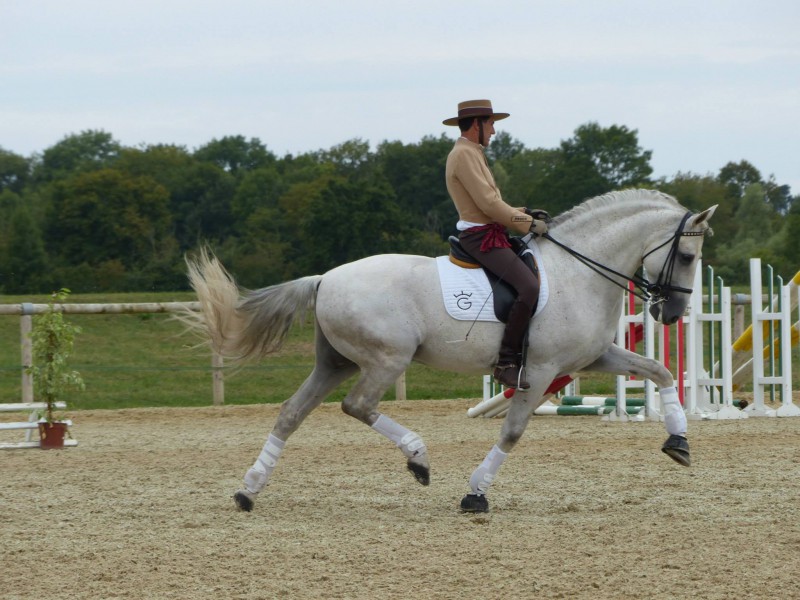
{"x": 537, "y": 213}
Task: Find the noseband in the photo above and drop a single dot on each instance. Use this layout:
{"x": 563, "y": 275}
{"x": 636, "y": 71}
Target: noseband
{"x": 655, "y": 293}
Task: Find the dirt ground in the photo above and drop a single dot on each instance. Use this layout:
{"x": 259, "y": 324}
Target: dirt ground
{"x": 142, "y": 508}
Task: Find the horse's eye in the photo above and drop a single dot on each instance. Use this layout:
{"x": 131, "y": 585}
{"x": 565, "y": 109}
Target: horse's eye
{"x": 686, "y": 258}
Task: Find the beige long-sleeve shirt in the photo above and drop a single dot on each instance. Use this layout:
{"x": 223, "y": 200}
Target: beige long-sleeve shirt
{"x": 471, "y": 185}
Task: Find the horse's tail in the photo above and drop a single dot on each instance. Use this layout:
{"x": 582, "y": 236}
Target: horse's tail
{"x": 243, "y": 325}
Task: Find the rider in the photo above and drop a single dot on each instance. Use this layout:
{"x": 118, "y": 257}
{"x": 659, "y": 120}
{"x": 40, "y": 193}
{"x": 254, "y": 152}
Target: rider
{"x": 483, "y": 219}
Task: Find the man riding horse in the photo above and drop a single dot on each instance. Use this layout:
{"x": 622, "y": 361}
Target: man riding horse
{"x": 483, "y": 221}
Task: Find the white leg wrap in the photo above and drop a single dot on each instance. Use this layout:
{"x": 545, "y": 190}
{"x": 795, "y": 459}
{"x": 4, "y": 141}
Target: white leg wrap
{"x": 257, "y": 476}
{"x": 484, "y": 475}
{"x": 674, "y": 417}
{"x": 408, "y": 441}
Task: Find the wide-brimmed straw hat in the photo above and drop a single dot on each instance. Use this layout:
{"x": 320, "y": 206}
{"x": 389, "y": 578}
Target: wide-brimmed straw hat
{"x": 474, "y": 108}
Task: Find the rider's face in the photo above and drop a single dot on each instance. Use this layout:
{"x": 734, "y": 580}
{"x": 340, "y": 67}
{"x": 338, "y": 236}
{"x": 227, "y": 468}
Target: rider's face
{"x": 488, "y": 129}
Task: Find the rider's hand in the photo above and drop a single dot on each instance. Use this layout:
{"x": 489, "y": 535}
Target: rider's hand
{"x": 538, "y": 227}
{"x": 537, "y": 213}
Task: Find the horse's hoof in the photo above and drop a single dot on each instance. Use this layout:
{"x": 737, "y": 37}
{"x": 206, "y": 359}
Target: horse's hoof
{"x": 677, "y": 448}
{"x": 421, "y": 472}
{"x": 243, "y": 501}
{"x": 474, "y": 503}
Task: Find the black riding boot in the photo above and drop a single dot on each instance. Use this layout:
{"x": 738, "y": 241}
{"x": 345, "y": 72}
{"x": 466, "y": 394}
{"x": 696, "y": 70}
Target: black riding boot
{"x": 508, "y": 371}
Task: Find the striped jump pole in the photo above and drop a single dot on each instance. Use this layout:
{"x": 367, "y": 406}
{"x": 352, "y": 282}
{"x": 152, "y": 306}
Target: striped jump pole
{"x": 598, "y": 401}
{"x": 548, "y": 408}
{"x": 491, "y": 407}
{"x": 497, "y": 405}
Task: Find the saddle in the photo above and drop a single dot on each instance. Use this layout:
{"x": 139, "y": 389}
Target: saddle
{"x": 504, "y": 293}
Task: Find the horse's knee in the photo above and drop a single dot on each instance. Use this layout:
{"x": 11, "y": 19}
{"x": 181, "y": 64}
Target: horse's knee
{"x": 348, "y": 408}
{"x": 359, "y": 410}
{"x": 511, "y": 438}
{"x": 511, "y": 433}
{"x": 663, "y": 377}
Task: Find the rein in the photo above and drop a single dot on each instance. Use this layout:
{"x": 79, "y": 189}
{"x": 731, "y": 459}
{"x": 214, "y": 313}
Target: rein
{"x": 656, "y": 292}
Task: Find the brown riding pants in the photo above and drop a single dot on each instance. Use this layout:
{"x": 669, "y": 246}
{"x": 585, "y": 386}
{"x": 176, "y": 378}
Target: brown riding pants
{"x": 505, "y": 263}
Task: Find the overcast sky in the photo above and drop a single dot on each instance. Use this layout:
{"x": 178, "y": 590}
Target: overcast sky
{"x": 703, "y": 81}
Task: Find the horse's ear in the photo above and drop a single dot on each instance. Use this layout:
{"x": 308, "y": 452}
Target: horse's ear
{"x": 703, "y": 217}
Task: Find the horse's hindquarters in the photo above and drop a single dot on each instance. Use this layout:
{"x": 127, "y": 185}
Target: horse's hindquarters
{"x": 387, "y": 310}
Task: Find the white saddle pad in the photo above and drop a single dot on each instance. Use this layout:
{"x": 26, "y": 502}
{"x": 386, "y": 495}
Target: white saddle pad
{"x": 467, "y": 293}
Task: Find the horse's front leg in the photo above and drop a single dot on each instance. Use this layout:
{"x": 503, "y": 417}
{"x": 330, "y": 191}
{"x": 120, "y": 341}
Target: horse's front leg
{"x": 619, "y": 361}
{"x": 519, "y": 414}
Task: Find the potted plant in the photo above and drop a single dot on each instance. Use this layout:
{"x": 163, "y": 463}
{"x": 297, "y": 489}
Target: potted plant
{"x": 52, "y": 339}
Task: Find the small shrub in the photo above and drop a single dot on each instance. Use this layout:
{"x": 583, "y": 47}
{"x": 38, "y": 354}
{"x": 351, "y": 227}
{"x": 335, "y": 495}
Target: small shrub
{"x": 52, "y": 340}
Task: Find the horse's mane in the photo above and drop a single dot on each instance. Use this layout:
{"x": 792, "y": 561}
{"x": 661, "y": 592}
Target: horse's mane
{"x": 615, "y": 199}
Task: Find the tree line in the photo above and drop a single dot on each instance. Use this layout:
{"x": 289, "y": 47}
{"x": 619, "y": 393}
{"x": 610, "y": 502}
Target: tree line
{"x": 93, "y": 215}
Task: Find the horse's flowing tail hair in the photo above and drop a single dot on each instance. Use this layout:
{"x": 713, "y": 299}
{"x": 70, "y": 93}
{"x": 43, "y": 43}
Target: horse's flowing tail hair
{"x": 241, "y": 324}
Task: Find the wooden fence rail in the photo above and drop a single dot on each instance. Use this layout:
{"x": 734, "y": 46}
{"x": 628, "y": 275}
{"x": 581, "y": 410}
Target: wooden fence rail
{"x": 26, "y": 310}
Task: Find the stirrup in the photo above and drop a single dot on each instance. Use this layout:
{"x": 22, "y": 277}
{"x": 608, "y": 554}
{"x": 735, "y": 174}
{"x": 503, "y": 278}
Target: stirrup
{"x": 510, "y": 375}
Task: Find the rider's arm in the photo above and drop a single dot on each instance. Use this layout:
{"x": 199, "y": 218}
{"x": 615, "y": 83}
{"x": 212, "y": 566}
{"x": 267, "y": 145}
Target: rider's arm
{"x": 471, "y": 171}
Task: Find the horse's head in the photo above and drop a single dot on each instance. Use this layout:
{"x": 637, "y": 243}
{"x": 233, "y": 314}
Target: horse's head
{"x": 674, "y": 260}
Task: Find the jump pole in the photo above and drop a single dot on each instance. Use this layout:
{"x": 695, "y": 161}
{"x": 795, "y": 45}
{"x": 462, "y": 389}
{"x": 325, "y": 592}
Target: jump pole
{"x": 699, "y": 380}
{"x": 633, "y": 328}
{"x": 598, "y": 401}
{"x": 743, "y": 346}
{"x": 490, "y": 405}
{"x": 626, "y": 330}
{"x": 761, "y": 317}
{"x": 745, "y": 371}
{"x": 498, "y": 404}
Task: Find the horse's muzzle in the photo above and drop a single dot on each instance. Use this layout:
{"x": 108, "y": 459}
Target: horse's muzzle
{"x": 666, "y": 314}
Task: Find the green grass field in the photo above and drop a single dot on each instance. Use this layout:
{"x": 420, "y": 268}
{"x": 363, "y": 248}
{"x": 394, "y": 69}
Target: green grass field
{"x": 143, "y": 360}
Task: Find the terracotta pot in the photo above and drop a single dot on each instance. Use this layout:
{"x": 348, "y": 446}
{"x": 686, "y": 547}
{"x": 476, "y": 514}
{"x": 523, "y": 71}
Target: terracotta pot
{"x": 52, "y": 434}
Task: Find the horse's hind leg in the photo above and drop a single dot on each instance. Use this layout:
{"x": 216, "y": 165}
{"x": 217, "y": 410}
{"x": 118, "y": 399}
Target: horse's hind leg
{"x": 330, "y": 370}
{"x": 362, "y": 403}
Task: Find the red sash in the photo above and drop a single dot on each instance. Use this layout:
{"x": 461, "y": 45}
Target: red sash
{"x": 495, "y": 237}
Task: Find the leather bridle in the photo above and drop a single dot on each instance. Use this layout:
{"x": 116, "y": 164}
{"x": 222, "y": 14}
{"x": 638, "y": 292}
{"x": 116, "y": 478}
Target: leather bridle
{"x": 654, "y": 293}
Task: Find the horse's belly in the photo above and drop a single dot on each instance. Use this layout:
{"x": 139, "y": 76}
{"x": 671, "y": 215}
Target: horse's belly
{"x": 453, "y": 347}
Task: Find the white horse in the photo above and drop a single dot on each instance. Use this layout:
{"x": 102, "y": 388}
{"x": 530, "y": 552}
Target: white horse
{"x": 374, "y": 316}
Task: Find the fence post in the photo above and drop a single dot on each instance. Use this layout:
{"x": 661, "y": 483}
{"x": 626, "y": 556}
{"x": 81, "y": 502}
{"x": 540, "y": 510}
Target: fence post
{"x": 400, "y": 387}
{"x": 25, "y": 327}
{"x": 738, "y": 321}
{"x": 218, "y": 378}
